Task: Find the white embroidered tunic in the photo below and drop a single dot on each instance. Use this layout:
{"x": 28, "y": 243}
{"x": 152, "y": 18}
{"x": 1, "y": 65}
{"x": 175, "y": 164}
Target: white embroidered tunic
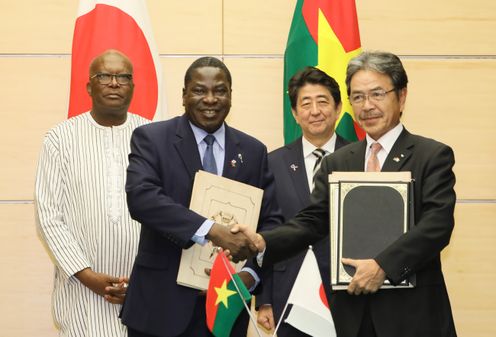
{"x": 83, "y": 219}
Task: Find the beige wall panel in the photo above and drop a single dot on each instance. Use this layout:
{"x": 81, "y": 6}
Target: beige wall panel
{"x": 35, "y": 93}
{"x": 409, "y": 28}
{"x": 30, "y": 26}
{"x": 448, "y": 100}
{"x": 257, "y": 26}
{"x": 26, "y": 282}
{"x": 421, "y": 27}
{"x": 257, "y": 98}
{"x": 187, "y": 26}
{"x": 426, "y": 27}
{"x": 180, "y": 27}
{"x": 174, "y": 69}
{"x": 469, "y": 265}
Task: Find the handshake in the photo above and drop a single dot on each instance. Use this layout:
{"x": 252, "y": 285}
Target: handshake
{"x": 238, "y": 241}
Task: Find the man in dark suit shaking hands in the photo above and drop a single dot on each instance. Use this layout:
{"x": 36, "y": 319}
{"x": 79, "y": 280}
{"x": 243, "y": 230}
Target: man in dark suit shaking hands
{"x": 316, "y": 104}
{"x": 164, "y": 159}
{"x": 377, "y": 88}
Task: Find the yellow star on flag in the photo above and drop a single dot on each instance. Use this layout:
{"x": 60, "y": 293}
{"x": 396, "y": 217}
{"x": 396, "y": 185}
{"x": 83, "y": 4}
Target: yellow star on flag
{"x": 223, "y": 294}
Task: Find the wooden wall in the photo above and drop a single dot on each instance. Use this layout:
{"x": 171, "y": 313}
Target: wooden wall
{"x": 449, "y": 51}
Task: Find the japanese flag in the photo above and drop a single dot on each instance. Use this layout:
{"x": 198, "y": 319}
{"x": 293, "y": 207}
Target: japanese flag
{"x": 310, "y": 312}
{"x": 123, "y": 25}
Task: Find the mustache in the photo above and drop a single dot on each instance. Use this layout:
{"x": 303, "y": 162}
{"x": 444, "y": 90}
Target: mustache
{"x": 369, "y": 115}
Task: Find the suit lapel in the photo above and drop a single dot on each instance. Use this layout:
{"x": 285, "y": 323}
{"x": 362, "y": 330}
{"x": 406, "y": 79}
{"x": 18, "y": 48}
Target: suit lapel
{"x": 187, "y": 148}
{"x": 355, "y": 161}
{"x": 233, "y": 159}
{"x": 295, "y": 164}
{"x": 399, "y": 154}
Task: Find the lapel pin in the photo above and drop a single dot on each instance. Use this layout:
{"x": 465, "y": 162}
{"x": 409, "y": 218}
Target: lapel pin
{"x": 396, "y": 159}
{"x": 294, "y": 167}
{"x": 402, "y": 155}
{"x": 233, "y": 163}
{"x": 240, "y": 157}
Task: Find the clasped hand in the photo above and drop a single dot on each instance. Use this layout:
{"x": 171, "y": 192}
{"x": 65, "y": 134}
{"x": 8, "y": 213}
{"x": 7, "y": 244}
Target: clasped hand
{"x": 238, "y": 241}
{"x": 112, "y": 288}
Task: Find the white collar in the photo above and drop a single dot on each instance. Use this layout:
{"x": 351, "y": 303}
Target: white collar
{"x": 328, "y": 147}
{"x": 388, "y": 139}
{"x": 219, "y": 134}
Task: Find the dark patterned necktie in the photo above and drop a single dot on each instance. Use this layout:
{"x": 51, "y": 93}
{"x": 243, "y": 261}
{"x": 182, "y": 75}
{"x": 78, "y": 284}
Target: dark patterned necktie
{"x": 319, "y": 154}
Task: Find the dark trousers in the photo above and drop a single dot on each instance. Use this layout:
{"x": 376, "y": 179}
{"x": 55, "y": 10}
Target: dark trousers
{"x": 367, "y": 325}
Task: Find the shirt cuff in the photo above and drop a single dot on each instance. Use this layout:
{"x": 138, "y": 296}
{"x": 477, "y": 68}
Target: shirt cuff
{"x": 260, "y": 257}
{"x": 201, "y": 233}
{"x": 254, "y": 275}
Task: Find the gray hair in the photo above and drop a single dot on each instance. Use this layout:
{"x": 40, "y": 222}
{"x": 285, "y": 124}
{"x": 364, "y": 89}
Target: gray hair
{"x": 381, "y": 62}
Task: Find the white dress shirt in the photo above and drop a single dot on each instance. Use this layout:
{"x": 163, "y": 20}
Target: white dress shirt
{"x": 387, "y": 141}
{"x": 310, "y": 158}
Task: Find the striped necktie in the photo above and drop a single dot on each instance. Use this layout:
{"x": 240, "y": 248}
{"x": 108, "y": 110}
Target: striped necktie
{"x": 319, "y": 154}
{"x": 209, "y": 164}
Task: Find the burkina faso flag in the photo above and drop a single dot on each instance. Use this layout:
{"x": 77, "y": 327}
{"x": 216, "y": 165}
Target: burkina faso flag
{"x": 323, "y": 34}
{"x": 225, "y": 296}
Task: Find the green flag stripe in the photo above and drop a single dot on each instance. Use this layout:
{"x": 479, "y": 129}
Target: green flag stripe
{"x": 225, "y": 318}
{"x": 301, "y": 51}
{"x": 346, "y": 129}
{"x": 242, "y": 288}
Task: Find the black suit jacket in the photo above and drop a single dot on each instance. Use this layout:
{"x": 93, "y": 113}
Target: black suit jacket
{"x": 162, "y": 164}
{"x": 293, "y": 194}
{"x": 424, "y": 310}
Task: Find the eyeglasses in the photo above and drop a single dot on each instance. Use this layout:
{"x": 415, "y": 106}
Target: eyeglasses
{"x": 373, "y": 96}
{"x": 105, "y": 79}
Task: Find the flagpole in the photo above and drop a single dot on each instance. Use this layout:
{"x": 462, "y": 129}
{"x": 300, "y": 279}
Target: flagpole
{"x": 280, "y": 319}
{"x": 286, "y": 306}
{"x": 252, "y": 319}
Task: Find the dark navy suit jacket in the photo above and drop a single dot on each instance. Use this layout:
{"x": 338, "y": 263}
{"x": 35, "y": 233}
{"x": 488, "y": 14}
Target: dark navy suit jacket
{"x": 293, "y": 194}
{"x": 162, "y": 164}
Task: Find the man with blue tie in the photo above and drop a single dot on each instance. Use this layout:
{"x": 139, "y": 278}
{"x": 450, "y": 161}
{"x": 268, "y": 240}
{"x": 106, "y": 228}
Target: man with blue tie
{"x": 316, "y": 104}
{"x": 164, "y": 159}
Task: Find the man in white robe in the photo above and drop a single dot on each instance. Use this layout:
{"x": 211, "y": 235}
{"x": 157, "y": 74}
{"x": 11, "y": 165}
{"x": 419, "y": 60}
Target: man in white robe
{"x": 81, "y": 208}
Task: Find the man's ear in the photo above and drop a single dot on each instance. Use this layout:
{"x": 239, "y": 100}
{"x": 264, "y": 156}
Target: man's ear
{"x": 402, "y": 98}
{"x": 339, "y": 108}
{"x": 88, "y": 88}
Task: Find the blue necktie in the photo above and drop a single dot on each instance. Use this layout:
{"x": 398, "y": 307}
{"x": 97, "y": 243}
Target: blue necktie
{"x": 209, "y": 164}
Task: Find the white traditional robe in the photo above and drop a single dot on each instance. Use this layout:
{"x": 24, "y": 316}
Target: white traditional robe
{"x": 83, "y": 219}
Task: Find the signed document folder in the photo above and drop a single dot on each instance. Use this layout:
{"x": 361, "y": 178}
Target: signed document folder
{"x": 368, "y": 212}
{"x": 227, "y": 202}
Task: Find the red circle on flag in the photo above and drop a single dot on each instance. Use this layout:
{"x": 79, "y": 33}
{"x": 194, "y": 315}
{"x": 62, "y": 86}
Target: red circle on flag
{"x": 107, "y": 27}
{"x": 323, "y": 296}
